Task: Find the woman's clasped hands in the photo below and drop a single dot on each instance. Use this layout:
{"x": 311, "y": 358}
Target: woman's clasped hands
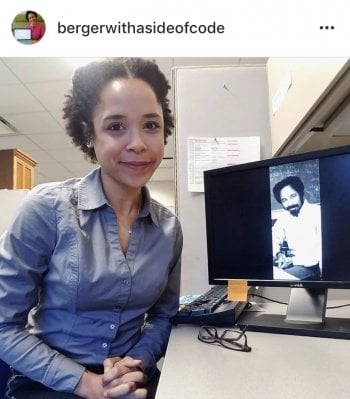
{"x": 122, "y": 379}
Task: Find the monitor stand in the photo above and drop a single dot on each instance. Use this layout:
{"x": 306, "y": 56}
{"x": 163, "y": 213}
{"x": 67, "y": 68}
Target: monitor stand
{"x": 305, "y": 316}
{"x": 306, "y": 306}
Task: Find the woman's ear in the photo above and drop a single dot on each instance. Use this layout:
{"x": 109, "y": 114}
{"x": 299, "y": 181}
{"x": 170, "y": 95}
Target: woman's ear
{"x": 87, "y": 135}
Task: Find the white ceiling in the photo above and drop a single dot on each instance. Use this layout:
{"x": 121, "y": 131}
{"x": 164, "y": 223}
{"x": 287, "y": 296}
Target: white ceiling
{"x": 32, "y": 95}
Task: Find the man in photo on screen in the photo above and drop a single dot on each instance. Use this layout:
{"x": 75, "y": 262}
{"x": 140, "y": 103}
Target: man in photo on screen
{"x": 296, "y": 234}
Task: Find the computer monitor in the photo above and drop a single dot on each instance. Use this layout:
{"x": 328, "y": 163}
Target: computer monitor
{"x": 284, "y": 222}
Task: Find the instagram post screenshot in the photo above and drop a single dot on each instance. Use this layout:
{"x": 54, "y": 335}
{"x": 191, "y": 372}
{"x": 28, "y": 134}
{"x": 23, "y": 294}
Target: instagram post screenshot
{"x": 174, "y": 199}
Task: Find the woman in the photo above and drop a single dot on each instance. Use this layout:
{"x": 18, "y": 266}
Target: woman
{"x": 90, "y": 269}
{"x": 37, "y": 28}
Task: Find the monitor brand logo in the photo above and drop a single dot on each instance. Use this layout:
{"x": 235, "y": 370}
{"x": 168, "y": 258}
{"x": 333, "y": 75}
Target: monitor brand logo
{"x": 297, "y": 285}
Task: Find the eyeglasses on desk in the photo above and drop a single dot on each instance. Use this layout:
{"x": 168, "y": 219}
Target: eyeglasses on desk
{"x": 231, "y": 339}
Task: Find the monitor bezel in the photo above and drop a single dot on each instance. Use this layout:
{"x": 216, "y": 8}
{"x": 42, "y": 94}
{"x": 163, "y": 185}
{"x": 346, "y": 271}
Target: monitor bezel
{"x": 274, "y": 161}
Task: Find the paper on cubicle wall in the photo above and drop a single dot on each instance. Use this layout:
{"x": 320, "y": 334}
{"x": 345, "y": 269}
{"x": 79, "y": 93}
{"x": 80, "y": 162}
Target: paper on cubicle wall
{"x": 205, "y": 153}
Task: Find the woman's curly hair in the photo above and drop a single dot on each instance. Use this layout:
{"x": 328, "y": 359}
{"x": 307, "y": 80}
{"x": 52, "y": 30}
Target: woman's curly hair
{"x": 31, "y": 12}
{"x": 88, "y": 82}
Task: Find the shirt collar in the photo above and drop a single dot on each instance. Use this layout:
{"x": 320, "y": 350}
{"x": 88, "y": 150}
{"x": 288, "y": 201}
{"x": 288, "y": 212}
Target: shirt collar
{"x": 90, "y": 191}
{"x": 91, "y": 196}
{"x": 304, "y": 207}
{"x": 149, "y": 207}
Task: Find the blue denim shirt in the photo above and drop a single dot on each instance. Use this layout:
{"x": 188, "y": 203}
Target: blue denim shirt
{"x": 69, "y": 296}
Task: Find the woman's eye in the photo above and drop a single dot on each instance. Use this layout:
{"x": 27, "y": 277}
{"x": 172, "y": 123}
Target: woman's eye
{"x": 116, "y": 126}
{"x": 151, "y": 125}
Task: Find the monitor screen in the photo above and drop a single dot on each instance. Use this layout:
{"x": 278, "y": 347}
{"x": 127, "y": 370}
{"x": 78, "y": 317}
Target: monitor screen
{"x": 22, "y": 33}
{"x": 281, "y": 222}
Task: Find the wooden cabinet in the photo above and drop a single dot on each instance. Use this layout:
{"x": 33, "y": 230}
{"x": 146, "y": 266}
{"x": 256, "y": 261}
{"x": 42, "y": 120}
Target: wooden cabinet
{"x": 16, "y": 169}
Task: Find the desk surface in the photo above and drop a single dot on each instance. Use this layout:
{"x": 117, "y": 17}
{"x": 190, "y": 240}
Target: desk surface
{"x": 279, "y": 366}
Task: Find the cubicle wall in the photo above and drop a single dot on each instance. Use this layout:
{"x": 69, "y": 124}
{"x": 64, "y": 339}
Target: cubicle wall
{"x": 223, "y": 101}
{"x": 10, "y": 200}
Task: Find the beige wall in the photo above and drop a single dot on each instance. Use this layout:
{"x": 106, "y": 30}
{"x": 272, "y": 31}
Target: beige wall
{"x": 310, "y": 78}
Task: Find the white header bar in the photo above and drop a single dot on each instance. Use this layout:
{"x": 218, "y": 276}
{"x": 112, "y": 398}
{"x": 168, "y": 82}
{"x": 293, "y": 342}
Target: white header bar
{"x": 218, "y": 28}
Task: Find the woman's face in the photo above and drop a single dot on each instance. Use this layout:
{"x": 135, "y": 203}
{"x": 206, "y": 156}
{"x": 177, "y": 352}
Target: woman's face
{"x": 129, "y": 133}
{"x": 31, "y": 18}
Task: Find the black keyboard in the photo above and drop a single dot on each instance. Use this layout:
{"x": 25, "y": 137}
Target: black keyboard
{"x": 211, "y": 307}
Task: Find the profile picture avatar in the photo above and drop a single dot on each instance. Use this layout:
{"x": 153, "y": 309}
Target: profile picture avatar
{"x": 28, "y": 27}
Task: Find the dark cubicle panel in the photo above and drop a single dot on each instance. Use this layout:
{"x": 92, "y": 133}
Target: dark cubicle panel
{"x": 212, "y": 102}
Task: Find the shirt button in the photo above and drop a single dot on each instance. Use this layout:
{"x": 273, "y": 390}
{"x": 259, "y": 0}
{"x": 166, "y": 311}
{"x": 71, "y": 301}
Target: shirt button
{"x": 104, "y": 345}
{"x": 112, "y": 326}
{"x": 126, "y": 282}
